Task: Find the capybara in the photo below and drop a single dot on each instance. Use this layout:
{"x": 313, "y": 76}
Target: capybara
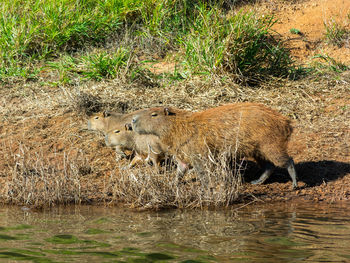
{"x": 147, "y": 147}
{"x": 248, "y": 129}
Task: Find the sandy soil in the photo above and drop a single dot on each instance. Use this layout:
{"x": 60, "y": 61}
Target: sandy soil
{"x": 45, "y": 128}
{"x": 310, "y": 18}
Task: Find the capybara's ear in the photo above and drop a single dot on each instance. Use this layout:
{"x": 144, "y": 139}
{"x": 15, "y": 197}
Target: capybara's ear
{"x": 128, "y": 127}
{"x": 167, "y": 111}
{"x": 106, "y": 114}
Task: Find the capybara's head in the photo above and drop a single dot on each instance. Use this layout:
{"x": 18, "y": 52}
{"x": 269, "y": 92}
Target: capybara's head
{"x": 98, "y": 121}
{"x": 119, "y": 137}
{"x": 154, "y": 120}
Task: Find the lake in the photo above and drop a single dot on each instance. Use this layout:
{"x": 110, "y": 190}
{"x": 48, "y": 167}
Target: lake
{"x": 258, "y": 232}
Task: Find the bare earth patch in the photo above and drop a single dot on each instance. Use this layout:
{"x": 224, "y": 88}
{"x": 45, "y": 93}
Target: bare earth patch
{"x": 310, "y": 18}
{"x": 45, "y": 146}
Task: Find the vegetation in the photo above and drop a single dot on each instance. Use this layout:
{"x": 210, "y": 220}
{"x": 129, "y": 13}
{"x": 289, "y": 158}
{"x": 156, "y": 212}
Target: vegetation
{"x": 295, "y": 31}
{"x": 35, "y": 31}
{"x": 100, "y": 39}
{"x": 326, "y": 63}
{"x": 139, "y": 187}
{"x": 336, "y": 33}
{"x": 61, "y": 61}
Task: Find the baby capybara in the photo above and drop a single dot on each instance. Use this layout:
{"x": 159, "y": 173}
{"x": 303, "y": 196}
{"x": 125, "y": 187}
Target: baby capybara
{"x": 247, "y": 129}
{"x": 147, "y": 147}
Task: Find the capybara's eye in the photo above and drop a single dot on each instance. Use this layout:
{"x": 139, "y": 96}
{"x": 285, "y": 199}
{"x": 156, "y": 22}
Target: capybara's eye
{"x": 116, "y": 131}
{"x": 96, "y": 118}
{"x": 154, "y": 114}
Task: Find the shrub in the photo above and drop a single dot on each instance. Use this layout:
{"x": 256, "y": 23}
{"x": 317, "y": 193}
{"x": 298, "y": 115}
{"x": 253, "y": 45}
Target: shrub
{"x": 240, "y": 44}
{"x": 96, "y": 66}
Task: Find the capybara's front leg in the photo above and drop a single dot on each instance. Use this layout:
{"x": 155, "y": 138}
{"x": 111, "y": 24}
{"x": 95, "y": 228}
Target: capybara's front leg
{"x": 135, "y": 160}
{"x": 198, "y": 165}
{"x": 153, "y": 156}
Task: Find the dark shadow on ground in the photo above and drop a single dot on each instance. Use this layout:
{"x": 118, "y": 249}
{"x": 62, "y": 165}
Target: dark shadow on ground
{"x": 311, "y": 173}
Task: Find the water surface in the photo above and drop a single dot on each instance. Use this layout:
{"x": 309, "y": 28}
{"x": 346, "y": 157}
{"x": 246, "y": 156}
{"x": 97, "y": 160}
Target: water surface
{"x": 281, "y": 232}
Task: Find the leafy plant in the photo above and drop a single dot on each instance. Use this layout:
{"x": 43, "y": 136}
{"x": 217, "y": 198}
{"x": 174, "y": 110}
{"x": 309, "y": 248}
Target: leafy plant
{"x": 295, "y": 31}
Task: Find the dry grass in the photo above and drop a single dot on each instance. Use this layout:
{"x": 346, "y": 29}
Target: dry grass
{"x": 142, "y": 187}
{"x": 35, "y": 180}
{"x": 54, "y": 119}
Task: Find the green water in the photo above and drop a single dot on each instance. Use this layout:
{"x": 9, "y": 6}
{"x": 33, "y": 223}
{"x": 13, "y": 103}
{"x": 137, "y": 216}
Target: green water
{"x": 255, "y": 233}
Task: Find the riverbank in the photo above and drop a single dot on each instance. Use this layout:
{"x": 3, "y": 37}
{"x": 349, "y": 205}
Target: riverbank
{"x": 49, "y": 157}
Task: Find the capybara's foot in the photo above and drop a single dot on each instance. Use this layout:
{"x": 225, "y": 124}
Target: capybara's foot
{"x": 295, "y": 186}
{"x": 257, "y": 181}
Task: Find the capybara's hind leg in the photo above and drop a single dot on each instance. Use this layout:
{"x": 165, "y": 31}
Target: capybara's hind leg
{"x": 268, "y": 170}
{"x": 292, "y": 172}
{"x": 287, "y": 162}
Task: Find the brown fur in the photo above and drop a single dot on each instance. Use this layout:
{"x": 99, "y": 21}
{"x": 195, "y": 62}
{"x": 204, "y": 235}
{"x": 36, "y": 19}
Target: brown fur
{"x": 147, "y": 147}
{"x": 248, "y": 129}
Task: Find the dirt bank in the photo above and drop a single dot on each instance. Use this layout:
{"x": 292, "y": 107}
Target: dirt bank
{"x": 47, "y": 153}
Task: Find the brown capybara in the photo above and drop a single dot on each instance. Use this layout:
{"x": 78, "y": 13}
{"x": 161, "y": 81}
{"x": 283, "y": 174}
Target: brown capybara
{"x": 147, "y": 147}
{"x": 248, "y": 129}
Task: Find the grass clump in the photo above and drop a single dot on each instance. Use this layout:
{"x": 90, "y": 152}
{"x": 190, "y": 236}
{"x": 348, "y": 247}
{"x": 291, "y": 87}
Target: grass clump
{"x": 142, "y": 187}
{"x": 104, "y": 65}
{"x": 240, "y": 44}
{"x": 337, "y": 34}
{"x": 96, "y": 65}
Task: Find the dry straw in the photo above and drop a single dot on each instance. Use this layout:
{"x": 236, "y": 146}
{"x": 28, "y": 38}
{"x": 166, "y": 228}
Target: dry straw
{"x": 142, "y": 187}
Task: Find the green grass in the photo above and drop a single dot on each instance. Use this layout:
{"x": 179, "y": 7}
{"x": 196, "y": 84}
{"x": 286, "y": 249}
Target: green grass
{"x": 325, "y": 63}
{"x": 62, "y": 36}
{"x": 36, "y": 30}
{"x": 240, "y": 44}
{"x": 337, "y": 34}
{"x": 93, "y": 65}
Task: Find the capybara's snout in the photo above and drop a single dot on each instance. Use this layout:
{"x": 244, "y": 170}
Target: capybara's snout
{"x": 128, "y": 127}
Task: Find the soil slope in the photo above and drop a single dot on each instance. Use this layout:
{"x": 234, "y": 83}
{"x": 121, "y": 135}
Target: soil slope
{"x": 43, "y": 129}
